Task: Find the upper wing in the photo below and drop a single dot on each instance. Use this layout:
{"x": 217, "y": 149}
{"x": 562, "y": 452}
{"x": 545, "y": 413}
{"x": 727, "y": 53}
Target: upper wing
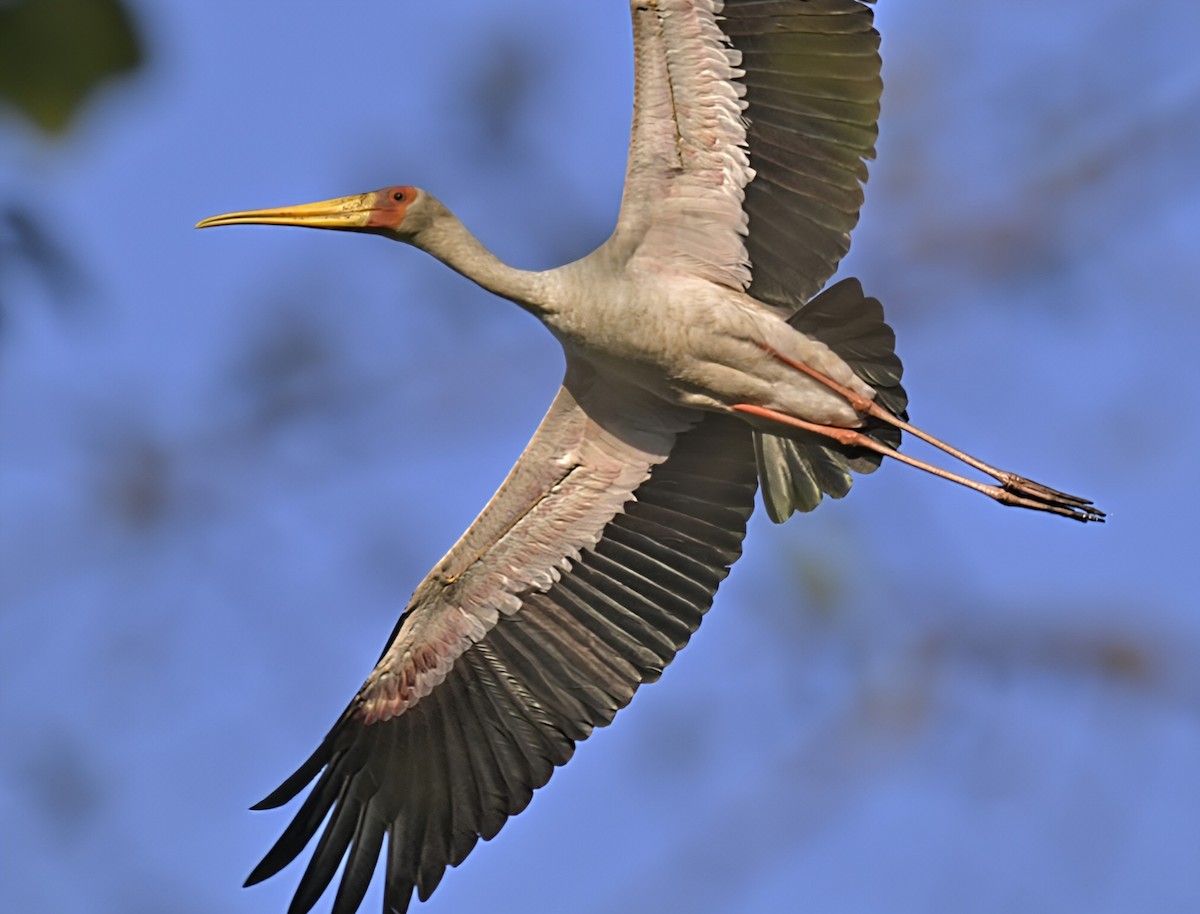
{"x": 752, "y": 121}
{"x": 537, "y": 627}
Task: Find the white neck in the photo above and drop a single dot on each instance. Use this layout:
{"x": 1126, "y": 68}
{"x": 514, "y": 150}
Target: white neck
{"x": 447, "y": 239}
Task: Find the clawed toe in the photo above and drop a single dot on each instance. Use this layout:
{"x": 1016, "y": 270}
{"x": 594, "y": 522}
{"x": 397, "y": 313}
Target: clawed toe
{"x": 1035, "y": 495}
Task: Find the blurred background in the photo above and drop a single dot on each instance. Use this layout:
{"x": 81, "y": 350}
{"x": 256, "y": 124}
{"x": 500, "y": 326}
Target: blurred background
{"x": 227, "y": 458}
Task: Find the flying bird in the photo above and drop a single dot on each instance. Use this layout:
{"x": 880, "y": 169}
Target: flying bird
{"x": 702, "y": 362}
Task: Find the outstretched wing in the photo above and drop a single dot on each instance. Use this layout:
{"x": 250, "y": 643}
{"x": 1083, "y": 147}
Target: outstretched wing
{"x": 752, "y": 121}
{"x": 581, "y": 579}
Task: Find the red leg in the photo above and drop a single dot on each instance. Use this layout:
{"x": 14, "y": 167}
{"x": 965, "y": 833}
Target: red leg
{"x": 1013, "y": 490}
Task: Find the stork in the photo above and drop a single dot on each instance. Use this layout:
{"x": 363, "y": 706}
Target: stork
{"x": 702, "y": 361}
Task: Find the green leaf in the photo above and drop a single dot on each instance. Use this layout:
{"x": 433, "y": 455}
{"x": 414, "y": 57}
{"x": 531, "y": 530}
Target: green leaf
{"x": 55, "y": 53}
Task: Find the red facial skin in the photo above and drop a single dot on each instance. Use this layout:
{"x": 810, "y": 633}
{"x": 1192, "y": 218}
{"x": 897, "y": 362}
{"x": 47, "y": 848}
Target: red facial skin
{"x": 389, "y": 207}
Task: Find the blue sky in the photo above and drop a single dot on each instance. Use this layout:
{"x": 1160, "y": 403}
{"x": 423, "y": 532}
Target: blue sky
{"x": 223, "y": 472}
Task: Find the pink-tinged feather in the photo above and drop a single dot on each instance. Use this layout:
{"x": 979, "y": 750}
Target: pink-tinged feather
{"x": 582, "y": 466}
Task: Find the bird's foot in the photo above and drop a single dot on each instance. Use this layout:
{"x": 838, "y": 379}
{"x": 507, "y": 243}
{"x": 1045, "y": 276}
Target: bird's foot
{"x": 1060, "y": 502}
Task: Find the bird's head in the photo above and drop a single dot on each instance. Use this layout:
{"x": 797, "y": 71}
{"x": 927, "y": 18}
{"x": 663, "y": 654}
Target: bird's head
{"x": 398, "y": 212}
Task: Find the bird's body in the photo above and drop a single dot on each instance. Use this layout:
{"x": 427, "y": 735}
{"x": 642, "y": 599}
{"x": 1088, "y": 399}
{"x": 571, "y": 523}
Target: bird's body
{"x": 682, "y": 337}
{"x": 701, "y": 363}
{"x": 690, "y": 341}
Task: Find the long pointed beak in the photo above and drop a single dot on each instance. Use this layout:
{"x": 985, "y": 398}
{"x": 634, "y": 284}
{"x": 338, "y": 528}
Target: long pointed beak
{"x": 348, "y": 213}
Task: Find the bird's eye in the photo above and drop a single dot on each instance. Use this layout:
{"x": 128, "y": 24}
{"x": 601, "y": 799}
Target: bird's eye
{"x": 398, "y": 196}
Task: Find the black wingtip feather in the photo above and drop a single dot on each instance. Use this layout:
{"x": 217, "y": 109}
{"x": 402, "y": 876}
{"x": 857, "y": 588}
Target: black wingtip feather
{"x": 360, "y": 864}
{"x": 330, "y": 850}
{"x": 297, "y": 835}
{"x": 303, "y": 776}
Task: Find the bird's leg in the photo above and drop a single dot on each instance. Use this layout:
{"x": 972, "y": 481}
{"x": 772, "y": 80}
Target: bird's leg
{"x": 853, "y": 438}
{"x": 1013, "y": 489}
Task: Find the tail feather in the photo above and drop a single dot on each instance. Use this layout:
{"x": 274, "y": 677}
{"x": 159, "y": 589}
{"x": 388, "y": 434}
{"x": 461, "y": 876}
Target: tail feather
{"x": 799, "y": 469}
